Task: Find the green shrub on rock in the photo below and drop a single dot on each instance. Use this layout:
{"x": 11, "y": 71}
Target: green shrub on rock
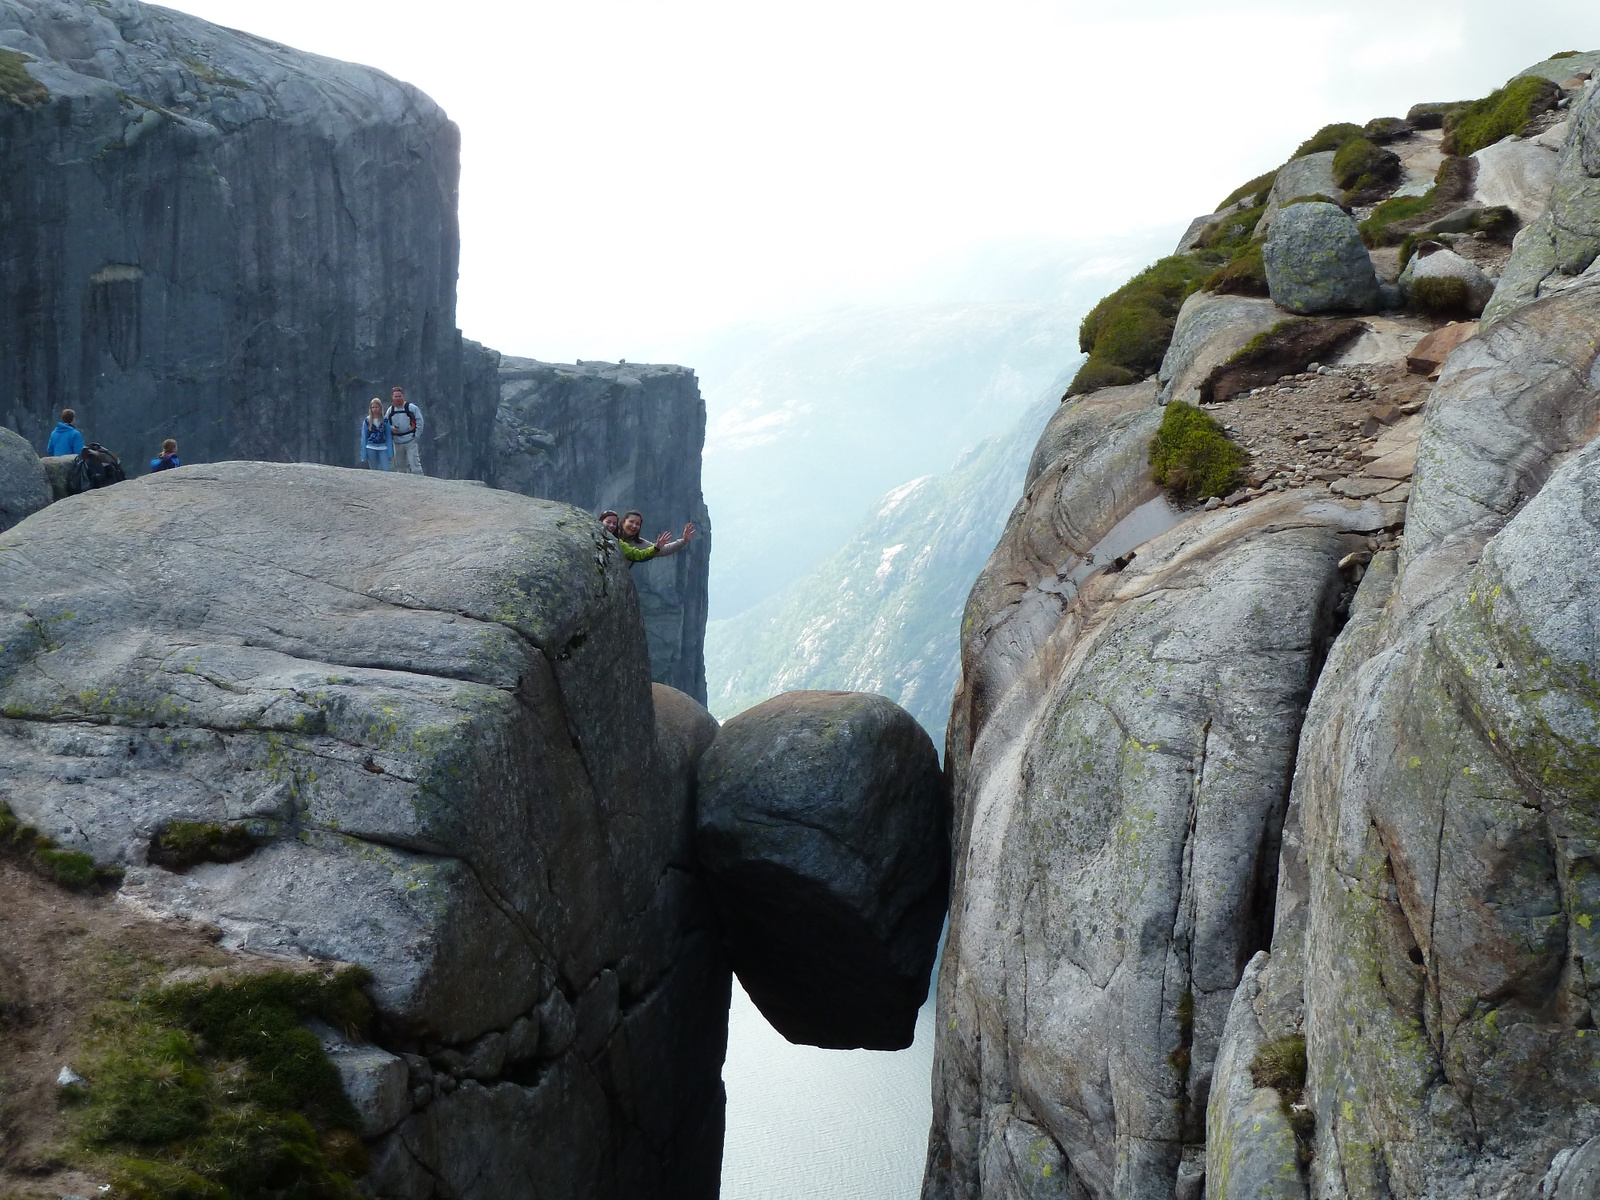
{"x": 16, "y": 85}
{"x": 1377, "y": 230}
{"x": 33, "y": 849}
{"x": 1129, "y": 330}
{"x": 1499, "y": 114}
{"x": 1442, "y": 296}
{"x": 1432, "y": 116}
{"x": 1192, "y": 457}
{"x": 1386, "y": 129}
{"x": 1329, "y": 137}
{"x": 1257, "y": 188}
{"x": 1245, "y": 274}
{"x": 215, "y": 1091}
{"x": 1281, "y": 1065}
{"x": 1362, "y": 166}
{"x": 184, "y": 844}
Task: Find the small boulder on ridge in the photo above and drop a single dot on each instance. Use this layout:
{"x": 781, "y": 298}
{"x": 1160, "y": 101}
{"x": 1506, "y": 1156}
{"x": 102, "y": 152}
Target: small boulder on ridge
{"x": 1316, "y": 261}
{"x": 823, "y": 831}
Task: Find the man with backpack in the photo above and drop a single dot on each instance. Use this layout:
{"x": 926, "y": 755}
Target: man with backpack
{"x": 405, "y": 426}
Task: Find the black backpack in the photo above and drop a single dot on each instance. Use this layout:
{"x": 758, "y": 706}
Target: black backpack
{"x": 96, "y": 467}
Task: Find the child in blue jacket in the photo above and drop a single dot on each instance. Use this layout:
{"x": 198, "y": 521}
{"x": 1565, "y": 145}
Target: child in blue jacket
{"x": 168, "y": 457}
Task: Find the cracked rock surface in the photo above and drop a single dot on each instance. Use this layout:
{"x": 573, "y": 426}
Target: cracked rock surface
{"x": 445, "y": 744}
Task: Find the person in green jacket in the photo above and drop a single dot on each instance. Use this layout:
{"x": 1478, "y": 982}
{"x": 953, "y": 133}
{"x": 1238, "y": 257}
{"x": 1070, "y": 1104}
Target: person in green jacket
{"x": 634, "y": 548}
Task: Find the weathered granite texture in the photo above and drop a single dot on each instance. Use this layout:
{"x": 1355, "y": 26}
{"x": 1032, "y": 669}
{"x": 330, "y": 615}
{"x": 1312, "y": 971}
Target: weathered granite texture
{"x": 1563, "y": 244}
{"x": 1121, "y": 748}
{"x": 1316, "y": 261}
{"x": 213, "y": 237}
{"x": 1445, "y": 787}
{"x": 823, "y": 833}
{"x": 446, "y": 743}
{"x": 619, "y": 436}
{"x": 24, "y": 483}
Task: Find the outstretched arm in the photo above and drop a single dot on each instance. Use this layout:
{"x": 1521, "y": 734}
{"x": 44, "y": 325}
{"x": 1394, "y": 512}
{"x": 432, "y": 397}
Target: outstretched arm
{"x": 665, "y": 545}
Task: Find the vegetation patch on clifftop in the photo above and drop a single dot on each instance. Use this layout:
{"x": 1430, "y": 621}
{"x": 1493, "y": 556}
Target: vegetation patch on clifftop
{"x": 1501, "y": 113}
{"x": 1126, "y": 334}
{"x": 16, "y": 85}
{"x": 1281, "y": 1065}
{"x": 41, "y": 854}
{"x": 212, "y": 1090}
{"x": 1192, "y": 457}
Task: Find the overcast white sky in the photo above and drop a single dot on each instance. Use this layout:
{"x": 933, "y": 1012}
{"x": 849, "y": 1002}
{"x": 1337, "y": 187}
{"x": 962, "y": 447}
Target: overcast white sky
{"x": 638, "y": 173}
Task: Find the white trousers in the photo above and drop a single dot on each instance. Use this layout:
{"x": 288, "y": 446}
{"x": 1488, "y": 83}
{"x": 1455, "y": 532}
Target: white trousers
{"x": 408, "y": 457}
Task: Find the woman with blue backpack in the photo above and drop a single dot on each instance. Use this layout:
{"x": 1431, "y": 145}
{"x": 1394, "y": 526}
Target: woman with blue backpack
{"x": 377, "y": 438}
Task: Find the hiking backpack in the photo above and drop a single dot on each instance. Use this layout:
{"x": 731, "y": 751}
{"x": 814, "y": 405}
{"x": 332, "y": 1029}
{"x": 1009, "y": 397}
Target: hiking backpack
{"x": 95, "y": 467}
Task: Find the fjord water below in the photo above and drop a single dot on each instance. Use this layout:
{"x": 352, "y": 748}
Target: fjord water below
{"x": 809, "y": 1124}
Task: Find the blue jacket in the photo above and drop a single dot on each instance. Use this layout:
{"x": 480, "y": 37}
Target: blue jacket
{"x": 376, "y": 437}
{"x": 64, "y": 439}
{"x": 164, "y": 463}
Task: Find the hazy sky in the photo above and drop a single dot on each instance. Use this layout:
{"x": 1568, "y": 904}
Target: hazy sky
{"x": 636, "y": 173}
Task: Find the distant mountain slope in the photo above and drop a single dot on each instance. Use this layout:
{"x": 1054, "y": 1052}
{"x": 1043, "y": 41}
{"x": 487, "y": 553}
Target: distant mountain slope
{"x": 883, "y": 613}
{"x": 810, "y": 419}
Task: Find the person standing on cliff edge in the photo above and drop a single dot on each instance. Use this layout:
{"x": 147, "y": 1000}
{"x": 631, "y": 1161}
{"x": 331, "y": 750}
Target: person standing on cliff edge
{"x": 405, "y": 427}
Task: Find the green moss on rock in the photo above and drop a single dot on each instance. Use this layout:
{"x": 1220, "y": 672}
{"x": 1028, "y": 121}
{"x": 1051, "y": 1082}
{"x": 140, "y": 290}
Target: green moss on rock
{"x": 1378, "y": 229}
{"x": 1257, "y": 187}
{"x": 1192, "y": 457}
{"x": 41, "y": 854}
{"x": 1362, "y": 166}
{"x": 1442, "y": 296}
{"x": 184, "y": 844}
{"x": 1129, "y": 330}
{"x": 214, "y": 1089}
{"x": 1329, "y": 137}
{"x": 1245, "y": 274}
{"x": 16, "y": 85}
{"x": 1501, "y": 113}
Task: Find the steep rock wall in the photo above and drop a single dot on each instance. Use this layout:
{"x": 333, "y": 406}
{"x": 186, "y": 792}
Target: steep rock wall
{"x": 213, "y": 237}
{"x": 419, "y": 734}
{"x": 619, "y": 436}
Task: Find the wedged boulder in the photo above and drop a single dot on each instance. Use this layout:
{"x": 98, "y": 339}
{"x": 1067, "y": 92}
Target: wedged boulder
{"x": 1211, "y": 329}
{"x": 1564, "y": 242}
{"x": 444, "y": 745}
{"x": 1316, "y": 261}
{"x": 1476, "y": 287}
{"x": 823, "y": 830}
{"x": 24, "y": 486}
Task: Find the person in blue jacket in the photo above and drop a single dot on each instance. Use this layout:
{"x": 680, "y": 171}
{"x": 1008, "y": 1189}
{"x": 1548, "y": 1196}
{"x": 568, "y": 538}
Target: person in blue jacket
{"x": 168, "y": 457}
{"x": 65, "y": 438}
{"x": 377, "y": 438}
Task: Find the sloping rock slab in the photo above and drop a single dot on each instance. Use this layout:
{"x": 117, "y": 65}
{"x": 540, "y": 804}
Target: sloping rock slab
{"x": 824, "y": 830}
{"x": 384, "y": 697}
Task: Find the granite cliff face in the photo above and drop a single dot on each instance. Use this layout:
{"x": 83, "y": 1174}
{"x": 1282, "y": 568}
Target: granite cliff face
{"x": 213, "y": 236}
{"x": 619, "y": 436}
{"x": 1275, "y": 818}
{"x": 416, "y": 744}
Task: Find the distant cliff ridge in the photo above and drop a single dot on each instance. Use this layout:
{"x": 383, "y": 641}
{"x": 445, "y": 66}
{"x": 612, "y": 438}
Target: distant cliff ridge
{"x": 620, "y": 436}
{"x": 213, "y": 235}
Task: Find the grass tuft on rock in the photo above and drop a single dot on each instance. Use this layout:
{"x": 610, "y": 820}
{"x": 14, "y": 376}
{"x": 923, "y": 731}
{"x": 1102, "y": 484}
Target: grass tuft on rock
{"x": 1362, "y": 167}
{"x": 1257, "y": 188}
{"x": 1245, "y": 274}
{"x": 43, "y": 856}
{"x": 213, "y": 1089}
{"x": 1130, "y": 329}
{"x": 1432, "y": 116}
{"x": 16, "y": 85}
{"x": 1329, "y": 137}
{"x": 1501, "y": 113}
{"x": 1281, "y": 1065}
{"x": 1442, "y": 296}
{"x": 1377, "y": 229}
{"x": 184, "y": 844}
{"x": 1192, "y": 457}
